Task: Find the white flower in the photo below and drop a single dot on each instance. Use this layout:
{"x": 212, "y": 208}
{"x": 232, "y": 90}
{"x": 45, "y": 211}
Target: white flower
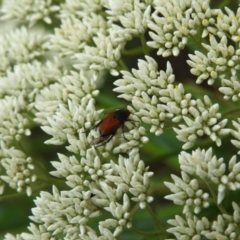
{"x": 69, "y": 39}
{"x": 173, "y": 22}
{"x": 104, "y": 55}
{"x": 37, "y": 233}
{"x": 230, "y": 88}
{"x": 210, "y": 169}
{"x": 75, "y": 87}
{"x": 235, "y": 133}
{"x": 23, "y": 45}
{"x": 133, "y": 15}
{"x": 18, "y": 168}
{"x": 28, "y": 10}
{"x": 223, "y": 228}
{"x": 195, "y": 228}
{"x": 13, "y": 124}
{"x": 77, "y": 8}
{"x": 236, "y": 213}
{"x": 66, "y": 211}
{"x": 105, "y": 50}
{"x": 202, "y": 119}
{"x": 96, "y": 187}
{"x": 156, "y": 99}
{"x": 112, "y": 180}
{"x": 27, "y": 80}
{"x": 220, "y": 57}
{"x": 121, "y": 213}
{"x": 142, "y": 87}
{"x": 191, "y": 228}
{"x": 5, "y": 62}
{"x": 68, "y": 121}
{"x": 228, "y": 24}
{"x": 9, "y": 236}
{"x": 20, "y": 46}
{"x": 186, "y": 192}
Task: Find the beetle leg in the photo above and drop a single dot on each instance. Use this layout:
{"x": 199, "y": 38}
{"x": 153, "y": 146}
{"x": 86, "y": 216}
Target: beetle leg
{"x": 102, "y": 140}
{"x": 123, "y": 132}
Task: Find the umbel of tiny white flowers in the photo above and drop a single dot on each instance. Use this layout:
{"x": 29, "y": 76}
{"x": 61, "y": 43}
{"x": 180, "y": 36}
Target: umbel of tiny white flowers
{"x": 63, "y": 103}
{"x": 188, "y": 193}
{"x": 156, "y": 99}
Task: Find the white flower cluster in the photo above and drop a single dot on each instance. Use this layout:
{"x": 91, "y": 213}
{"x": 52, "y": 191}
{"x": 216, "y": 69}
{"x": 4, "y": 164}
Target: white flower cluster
{"x": 64, "y": 106}
{"x": 9, "y": 236}
{"x": 222, "y": 59}
{"x": 69, "y": 39}
{"x": 12, "y": 126}
{"x": 210, "y": 169}
{"x": 20, "y": 46}
{"x": 173, "y": 22}
{"x": 103, "y": 40}
{"x": 18, "y": 169}
{"x": 224, "y": 227}
{"x": 228, "y": 24}
{"x": 204, "y": 119}
{"x": 30, "y": 11}
{"x": 156, "y": 99}
{"x": 96, "y": 187}
{"x": 236, "y": 134}
{"x": 133, "y": 15}
{"x": 22, "y": 78}
{"x": 66, "y": 111}
{"x": 111, "y": 179}
{"x": 221, "y": 62}
{"x": 187, "y": 192}
{"x": 70, "y": 8}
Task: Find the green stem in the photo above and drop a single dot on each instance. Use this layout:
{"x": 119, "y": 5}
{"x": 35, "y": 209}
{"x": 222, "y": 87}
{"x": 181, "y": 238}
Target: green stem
{"x": 157, "y": 222}
{"x": 144, "y": 45}
{"x": 149, "y": 234}
{"x": 223, "y": 3}
{"x": 231, "y": 111}
{"x": 40, "y": 167}
{"x": 17, "y": 195}
{"x": 134, "y": 210}
{"x": 122, "y": 65}
{"x": 35, "y": 163}
{"x": 220, "y": 206}
{"x": 197, "y": 39}
{"x": 133, "y": 51}
{"x": 52, "y": 181}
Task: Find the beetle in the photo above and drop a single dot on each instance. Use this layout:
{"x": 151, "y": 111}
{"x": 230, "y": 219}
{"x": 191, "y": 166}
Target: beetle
{"x": 109, "y": 125}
